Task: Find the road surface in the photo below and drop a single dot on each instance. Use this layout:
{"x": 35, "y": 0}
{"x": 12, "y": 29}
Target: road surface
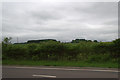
{"x": 57, "y": 72}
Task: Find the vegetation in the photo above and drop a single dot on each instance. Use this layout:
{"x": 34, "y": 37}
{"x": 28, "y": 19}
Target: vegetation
{"x": 7, "y": 40}
{"x": 82, "y": 51}
{"x": 60, "y": 63}
{"x": 38, "y": 41}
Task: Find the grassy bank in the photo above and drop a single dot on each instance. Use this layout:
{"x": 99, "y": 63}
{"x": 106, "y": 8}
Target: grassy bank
{"x": 60, "y": 63}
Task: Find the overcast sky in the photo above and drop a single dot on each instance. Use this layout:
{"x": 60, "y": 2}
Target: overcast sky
{"x": 63, "y": 21}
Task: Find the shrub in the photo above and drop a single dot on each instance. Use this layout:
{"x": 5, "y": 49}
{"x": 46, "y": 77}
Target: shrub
{"x": 51, "y": 50}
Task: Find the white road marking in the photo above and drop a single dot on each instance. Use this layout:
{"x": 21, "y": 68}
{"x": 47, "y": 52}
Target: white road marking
{"x": 48, "y": 76}
{"x": 107, "y": 70}
{"x": 68, "y": 69}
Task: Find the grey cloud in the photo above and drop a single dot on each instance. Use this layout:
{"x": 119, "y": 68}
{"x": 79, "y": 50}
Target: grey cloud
{"x": 44, "y": 15}
{"x": 61, "y": 21}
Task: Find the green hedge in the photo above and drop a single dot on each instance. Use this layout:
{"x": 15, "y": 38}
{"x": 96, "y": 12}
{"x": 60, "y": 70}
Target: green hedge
{"x": 85, "y": 51}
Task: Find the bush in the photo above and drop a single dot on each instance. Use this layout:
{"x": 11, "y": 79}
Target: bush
{"x": 99, "y": 58}
{"x": 35, "y": 58}
{"x": 51, "y": 50}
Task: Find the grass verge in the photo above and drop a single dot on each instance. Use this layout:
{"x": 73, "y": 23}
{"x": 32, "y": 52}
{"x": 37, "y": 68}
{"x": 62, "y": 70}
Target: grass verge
{"x": 60, "y": 63}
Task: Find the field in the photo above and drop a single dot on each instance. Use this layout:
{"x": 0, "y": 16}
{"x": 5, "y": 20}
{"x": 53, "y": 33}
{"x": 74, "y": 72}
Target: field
{"x": 52, "y": 53}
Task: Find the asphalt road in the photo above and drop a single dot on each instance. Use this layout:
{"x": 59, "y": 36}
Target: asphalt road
{"x": 57, "y": 72}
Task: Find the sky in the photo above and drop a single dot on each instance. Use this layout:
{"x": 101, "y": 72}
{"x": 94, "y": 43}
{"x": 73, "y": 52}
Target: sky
{"x": 119, "y": 20}
{"x": 63, "y": 21}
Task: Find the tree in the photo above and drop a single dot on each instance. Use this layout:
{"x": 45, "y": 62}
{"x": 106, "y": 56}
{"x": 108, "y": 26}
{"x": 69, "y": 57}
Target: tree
{"x": 89, "y": 40}
{"x": 95, "y": 41}
{"x": 116, "y": 47}
{"x": 117, "y": 42}
{"x": 7, "y": 40}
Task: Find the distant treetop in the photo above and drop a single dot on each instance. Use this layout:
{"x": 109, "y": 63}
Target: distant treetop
{"x": 38, "y": 41}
